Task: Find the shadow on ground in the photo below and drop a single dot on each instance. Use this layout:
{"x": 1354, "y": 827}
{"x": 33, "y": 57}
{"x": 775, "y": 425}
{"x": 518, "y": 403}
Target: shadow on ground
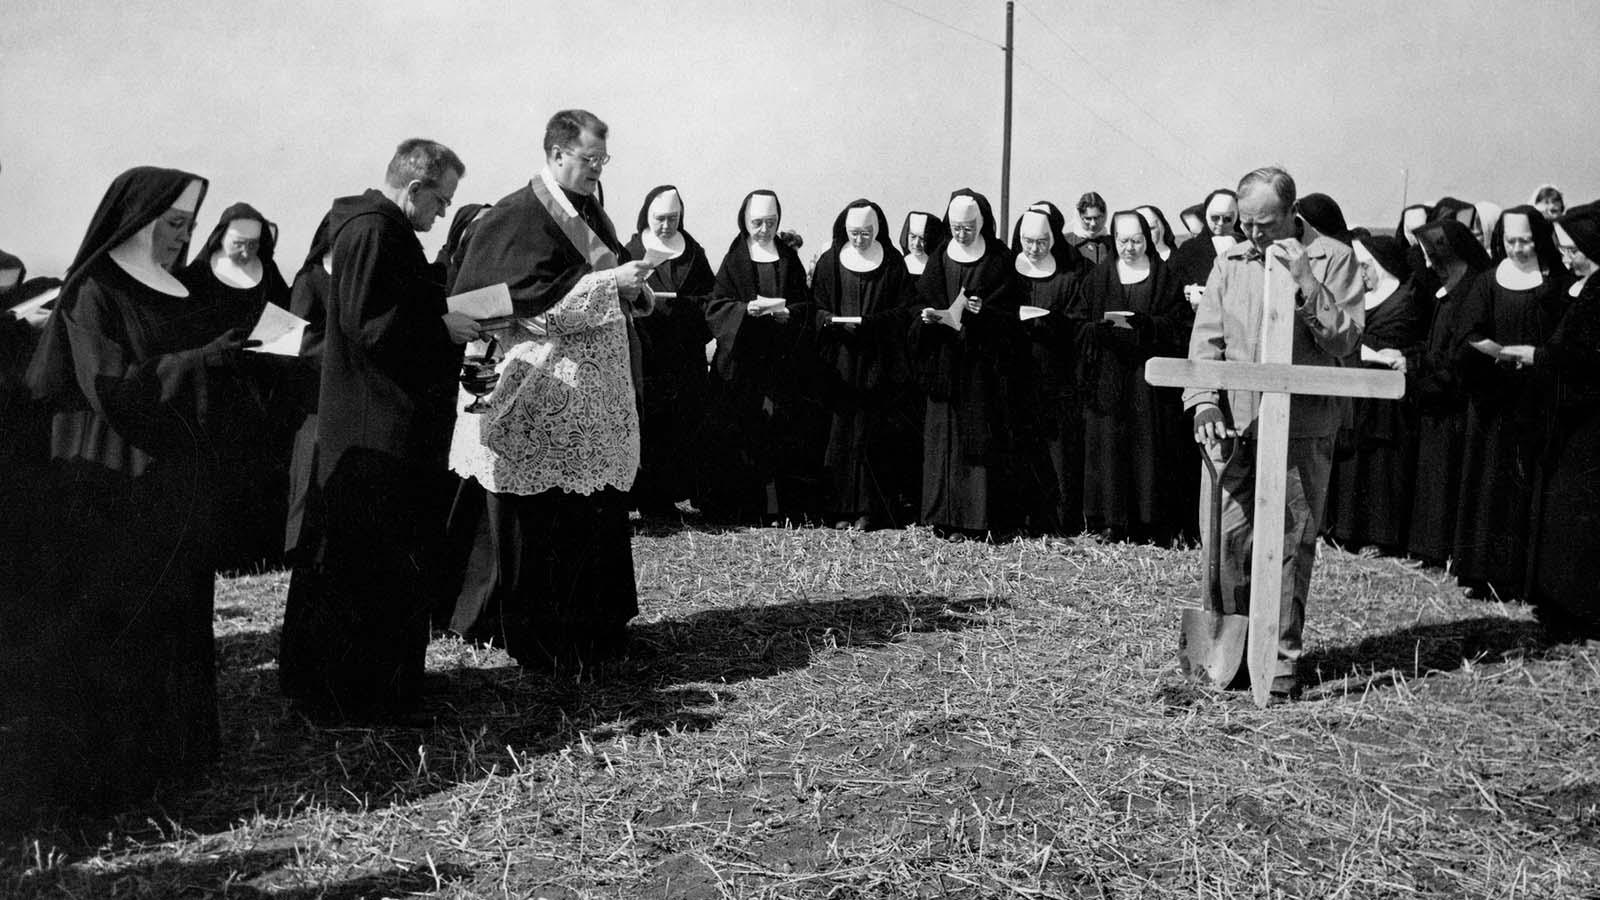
{"x": 251, "y": 875}
{"x": 1421, "y": 651}
{"x": 277, "y": 762}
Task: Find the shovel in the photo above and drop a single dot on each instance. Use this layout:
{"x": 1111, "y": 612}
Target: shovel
{"x": 1212, "y": 643}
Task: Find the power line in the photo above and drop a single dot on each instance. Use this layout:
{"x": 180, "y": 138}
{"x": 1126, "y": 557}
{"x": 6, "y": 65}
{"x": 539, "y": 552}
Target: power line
{"x": 1181, "y": 170}
{"x": 1116, "y": 87}
{"x": 944, "y": 24}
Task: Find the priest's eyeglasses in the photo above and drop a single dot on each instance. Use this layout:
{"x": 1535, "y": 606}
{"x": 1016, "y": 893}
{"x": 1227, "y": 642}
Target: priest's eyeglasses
{"x": 593, "y": 162}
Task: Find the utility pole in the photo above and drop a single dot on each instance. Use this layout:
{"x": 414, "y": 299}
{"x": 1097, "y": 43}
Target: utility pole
{"x": 1005, "y": 146}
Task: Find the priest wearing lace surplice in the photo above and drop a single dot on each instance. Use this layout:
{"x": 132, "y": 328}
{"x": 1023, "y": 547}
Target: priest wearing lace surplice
{"x": 551, "y": 572}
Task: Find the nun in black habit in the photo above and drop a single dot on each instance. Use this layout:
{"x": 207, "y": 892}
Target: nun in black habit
{"x": 1127, "y": 310}
{"x": 1191, "y": 263}
{"x": 1424, "y": 283}
{"x": 764, "y": 418}
{"x": 107, "y": 680}
{"x": 1434, "y": 385}
{"x": 1047, "y": 274}
{"x": 1369, "y": 496}
{"x": 672, "y": 345}
{"x": 871, "y": 471}
{"x": 920, "y": 233}
{"x": 252, "y": 409}
{"x": 1518, "y": 302}
{"x": 1563, "y": 581}
{"x": 1323, "y": 213}
{"x": 971, "y": 371}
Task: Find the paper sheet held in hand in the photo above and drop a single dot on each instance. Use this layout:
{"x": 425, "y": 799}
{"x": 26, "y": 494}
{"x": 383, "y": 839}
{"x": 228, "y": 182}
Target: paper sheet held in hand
{"x": 1031, "y": 312}
{"x": 489, "y": 302}
{"x": 279, "y": 331}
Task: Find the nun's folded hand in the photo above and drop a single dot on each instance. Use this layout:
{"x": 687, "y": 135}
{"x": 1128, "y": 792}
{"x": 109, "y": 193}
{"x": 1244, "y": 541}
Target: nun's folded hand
{"x": 974, "y": 303}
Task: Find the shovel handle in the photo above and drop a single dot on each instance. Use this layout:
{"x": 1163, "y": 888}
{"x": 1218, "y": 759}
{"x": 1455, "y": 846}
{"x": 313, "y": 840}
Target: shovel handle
{"x": 1212, "y": 587}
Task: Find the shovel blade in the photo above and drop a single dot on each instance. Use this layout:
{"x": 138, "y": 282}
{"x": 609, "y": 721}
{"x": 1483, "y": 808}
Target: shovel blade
{"x": 1211, "y": 646}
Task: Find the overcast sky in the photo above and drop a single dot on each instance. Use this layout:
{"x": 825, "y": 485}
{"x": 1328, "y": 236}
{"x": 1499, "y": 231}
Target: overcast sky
{"x": 287, "y": 105}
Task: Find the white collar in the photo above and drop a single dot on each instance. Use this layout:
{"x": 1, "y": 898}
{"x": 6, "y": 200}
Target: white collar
{"x": 856, "y": 261}
{"x": 1577, "y": 286}
{"x": 235, "y": 276}
{"x": 673, "y": 248}
{"x": 762, "y": 253}
{"x": 1508, "y": 276}
{"x": 962, "y": 253}
{"x": 1029, "y": 269}
{"x": 1130, "y": 274}
{"x": 915, "y": 264}
{"x": 133, "y": 255}
{"x": 1387, "y": 285}
{"x": 556, "y": 191}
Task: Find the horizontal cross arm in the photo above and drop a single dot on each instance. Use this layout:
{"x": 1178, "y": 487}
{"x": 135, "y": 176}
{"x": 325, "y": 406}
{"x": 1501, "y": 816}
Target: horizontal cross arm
{"x": 1275, "y": 378}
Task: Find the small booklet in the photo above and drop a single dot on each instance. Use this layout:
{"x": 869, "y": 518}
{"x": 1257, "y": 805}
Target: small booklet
{"x": 489, "y": 302}
{"x": 1031, "y": 312}
{"x": 279, "y": 331}
{"x": 845, "y": 320}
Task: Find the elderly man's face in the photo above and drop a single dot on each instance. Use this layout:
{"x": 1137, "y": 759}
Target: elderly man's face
{"x": 578, "y": 167}
{"x": 1263, "y": 217}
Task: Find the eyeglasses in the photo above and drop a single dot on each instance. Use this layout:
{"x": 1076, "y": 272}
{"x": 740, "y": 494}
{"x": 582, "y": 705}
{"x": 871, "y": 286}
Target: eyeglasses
{"x": 593, "y": 162}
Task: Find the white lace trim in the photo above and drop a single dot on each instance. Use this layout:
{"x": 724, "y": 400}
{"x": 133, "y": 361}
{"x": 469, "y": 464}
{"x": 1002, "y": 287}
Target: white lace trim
{"x": 564, "y": 414}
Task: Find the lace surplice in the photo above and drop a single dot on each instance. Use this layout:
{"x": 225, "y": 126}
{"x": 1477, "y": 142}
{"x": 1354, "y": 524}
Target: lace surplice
{"x": 563, "y": 414}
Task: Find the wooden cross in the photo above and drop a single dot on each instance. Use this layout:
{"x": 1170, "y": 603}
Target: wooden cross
{"x": 1276, "y": 378}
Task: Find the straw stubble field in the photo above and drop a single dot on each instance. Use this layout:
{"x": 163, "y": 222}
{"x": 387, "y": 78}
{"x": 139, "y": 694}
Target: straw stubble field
{"x": 837, "y": 714}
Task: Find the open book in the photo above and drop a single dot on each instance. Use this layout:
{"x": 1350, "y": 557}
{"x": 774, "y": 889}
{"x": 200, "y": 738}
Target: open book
{"x": 491, "y": 302}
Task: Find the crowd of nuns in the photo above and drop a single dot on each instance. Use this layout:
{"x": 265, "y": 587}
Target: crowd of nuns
{"x": 931, "y": 374}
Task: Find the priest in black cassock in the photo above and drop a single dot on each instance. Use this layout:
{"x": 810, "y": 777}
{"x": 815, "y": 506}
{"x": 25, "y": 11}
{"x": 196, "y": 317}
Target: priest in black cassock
{"x": 1047, "y": 275}
{"x": 764, "y": 417}
{"x": 970, "y": 361}
{"x": 252, "y": 407}
{"x": 558, "y": 449}
{"x": 1433, "y": 382}
{"x": 863, "y": 297}
{"x": 1369, "y": 494}
{"x": 1517, "y": 303}
{"x": 672, "y": 347}
{"x": 356, "y": 627}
